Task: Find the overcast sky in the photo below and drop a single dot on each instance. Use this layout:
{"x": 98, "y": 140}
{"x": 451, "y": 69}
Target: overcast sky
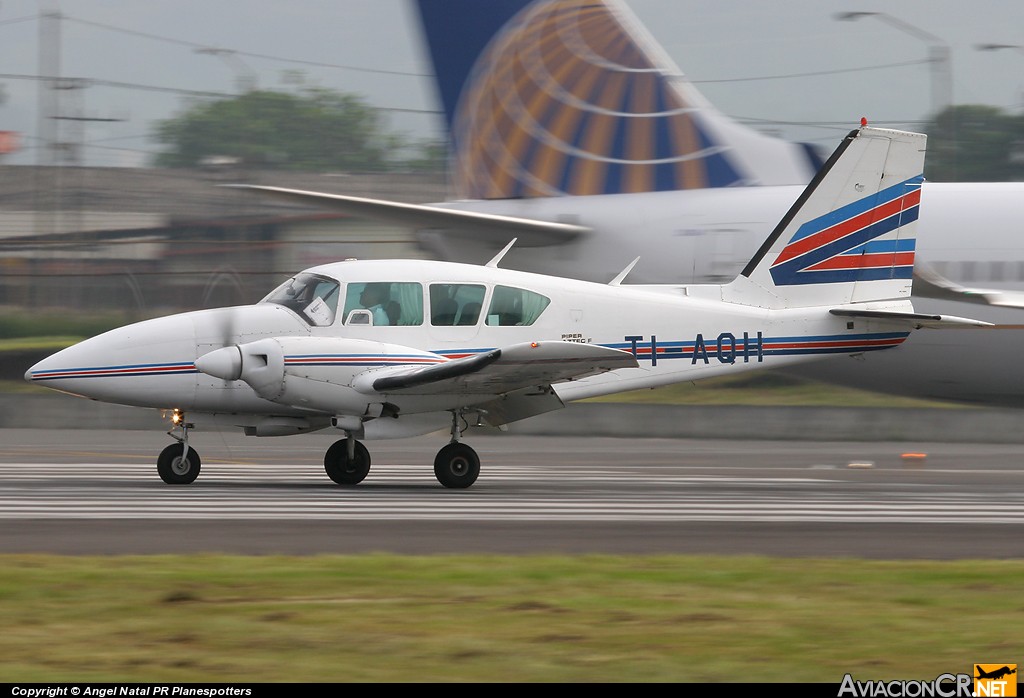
{"x": 788, "y": 63}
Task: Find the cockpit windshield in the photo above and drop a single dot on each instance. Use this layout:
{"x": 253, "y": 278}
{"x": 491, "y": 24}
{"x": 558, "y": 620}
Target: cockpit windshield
{"x": 312, "y": 296}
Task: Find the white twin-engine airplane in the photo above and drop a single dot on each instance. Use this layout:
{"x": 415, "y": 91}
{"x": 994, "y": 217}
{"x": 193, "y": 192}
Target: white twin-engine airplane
{"x": 388, "y": 349}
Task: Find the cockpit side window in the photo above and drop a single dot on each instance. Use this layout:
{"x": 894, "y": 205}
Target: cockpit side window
{"x": 313, "y": 297}
{"x": 515, "y": 306}
{"x": 388, "y": 303}
{"x": 455, "y": 304}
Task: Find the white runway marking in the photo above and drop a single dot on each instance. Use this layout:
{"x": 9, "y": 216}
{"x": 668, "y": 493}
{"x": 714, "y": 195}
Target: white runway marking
{"x": 503, "y": 493}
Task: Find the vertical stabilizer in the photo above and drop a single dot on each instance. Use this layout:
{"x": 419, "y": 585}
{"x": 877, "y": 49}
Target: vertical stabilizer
{"x": 574, "y": 97}
{"x": 851, "y": 235}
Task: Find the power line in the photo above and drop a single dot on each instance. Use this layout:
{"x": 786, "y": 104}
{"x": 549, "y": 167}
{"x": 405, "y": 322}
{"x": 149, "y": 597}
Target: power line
{"x": 264, "y": 56}
{"x": 817, "y": 73}
{"x": 18, "y": 20}
{"x": 321, "y": 64}
{"x": 844, "y": 125}
{"x": 199, "y": 93}
{"x": 115, "y": 83}
{"x": 87, "y": 82}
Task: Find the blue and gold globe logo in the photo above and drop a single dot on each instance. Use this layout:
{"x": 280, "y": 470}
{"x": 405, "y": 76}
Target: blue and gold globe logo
{"x": 565, "y": 101}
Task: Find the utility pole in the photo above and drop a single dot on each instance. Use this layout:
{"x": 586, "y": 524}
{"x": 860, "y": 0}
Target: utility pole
{"x": 939, "y": 57}
{"x": 47, "y": 181}
{"x": 60, "y": 124}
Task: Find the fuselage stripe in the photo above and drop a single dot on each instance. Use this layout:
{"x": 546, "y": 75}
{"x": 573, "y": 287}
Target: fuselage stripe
{"x": 777, "y": 346}
{"x": 113, "y": 372}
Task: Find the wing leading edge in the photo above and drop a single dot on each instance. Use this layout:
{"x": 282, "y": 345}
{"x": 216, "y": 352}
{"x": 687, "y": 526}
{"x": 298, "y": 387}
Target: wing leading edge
{"x": 422, "y": 216}
{"x": 500, "y": 371}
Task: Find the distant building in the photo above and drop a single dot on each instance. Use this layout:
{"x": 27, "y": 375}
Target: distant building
{"x": 152, "y": 240}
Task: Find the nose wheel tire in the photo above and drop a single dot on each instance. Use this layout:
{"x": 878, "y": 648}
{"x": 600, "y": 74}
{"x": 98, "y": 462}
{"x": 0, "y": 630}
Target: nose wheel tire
{"x": 344, "y": 470}
{"x": 176, "y": 467}
{"x": 456, "y": 466}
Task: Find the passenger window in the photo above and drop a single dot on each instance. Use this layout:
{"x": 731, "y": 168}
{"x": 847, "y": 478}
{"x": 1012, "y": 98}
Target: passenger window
{"x": 386, "y": 303}
{"x": 455, "y": 304}
{"x": 515, "y": 306}
{"x": 360, "y": 316}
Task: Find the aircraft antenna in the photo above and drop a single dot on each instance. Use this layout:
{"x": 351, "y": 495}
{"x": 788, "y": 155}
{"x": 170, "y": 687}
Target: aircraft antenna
{"x": 497, "y": 258}
{"x": 622, "y": 274}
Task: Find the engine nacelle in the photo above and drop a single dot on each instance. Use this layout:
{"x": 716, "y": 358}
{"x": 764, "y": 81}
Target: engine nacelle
{"x": 316, "y": 373}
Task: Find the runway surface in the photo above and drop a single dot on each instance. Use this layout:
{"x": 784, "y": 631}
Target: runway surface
{"x": 97, "y": 492}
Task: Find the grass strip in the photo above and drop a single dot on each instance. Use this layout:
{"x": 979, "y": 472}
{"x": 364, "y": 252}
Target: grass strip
{"x": 372, "y": 618}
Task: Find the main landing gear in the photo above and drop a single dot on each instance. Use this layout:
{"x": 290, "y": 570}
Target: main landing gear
{"x": 456, "y": 466}
{"x": 347, "y": 462}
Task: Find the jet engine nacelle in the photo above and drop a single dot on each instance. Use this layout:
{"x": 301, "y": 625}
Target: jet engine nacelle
{"x": 312, "y": 372}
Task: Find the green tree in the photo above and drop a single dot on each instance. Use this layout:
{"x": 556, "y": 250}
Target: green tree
{"x": 317, "y": 130}
{"x": 428, "y": 156}
{"x": 975, "y": 143}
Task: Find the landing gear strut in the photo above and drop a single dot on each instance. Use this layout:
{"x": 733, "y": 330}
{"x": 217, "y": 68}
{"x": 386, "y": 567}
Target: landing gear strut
{"x": 178, "y": 464}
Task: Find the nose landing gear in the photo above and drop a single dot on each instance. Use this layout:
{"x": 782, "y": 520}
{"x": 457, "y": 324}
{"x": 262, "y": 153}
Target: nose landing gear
{"x": 179, "y": 463}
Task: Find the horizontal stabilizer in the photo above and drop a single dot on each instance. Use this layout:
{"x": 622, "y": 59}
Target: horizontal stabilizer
{"x": 500, "y": 371}
{"x": 425, "y": 216}
{"x": 917, "y": 320}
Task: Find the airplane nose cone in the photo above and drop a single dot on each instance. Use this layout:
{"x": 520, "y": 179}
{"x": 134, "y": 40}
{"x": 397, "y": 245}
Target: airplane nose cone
{"x": 224, "y": 363}
{"x": 53, "y": 371}
{"x": 39, "y": 369}
{"x": 148, "y": 364}
{"x": 69, "y": 370}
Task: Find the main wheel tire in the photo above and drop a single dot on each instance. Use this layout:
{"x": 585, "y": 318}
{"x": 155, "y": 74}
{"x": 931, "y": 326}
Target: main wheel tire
{"x": 342, "y": 470}
{"x": 457, "y": 466}
{"x": 175, "y": 470}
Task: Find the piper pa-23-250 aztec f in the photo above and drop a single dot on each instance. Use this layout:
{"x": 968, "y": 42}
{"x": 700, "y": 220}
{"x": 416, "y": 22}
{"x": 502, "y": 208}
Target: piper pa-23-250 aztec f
{"x": 390, "y": 349}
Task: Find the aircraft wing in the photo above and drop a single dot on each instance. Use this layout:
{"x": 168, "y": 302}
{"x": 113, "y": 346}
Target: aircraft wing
{"x": 916, "y": 320}
{"x": 931, "y": 284}
{"x": 423, "y": 216}
{"x": 501, "y": 371}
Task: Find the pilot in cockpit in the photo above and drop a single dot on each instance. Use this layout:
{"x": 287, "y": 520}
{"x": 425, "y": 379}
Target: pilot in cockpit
{"x": 374, "y": 298}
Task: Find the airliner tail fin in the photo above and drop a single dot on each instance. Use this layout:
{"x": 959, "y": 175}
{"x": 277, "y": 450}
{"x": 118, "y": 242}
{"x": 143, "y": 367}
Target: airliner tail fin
{"x": 574, "y": 97}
